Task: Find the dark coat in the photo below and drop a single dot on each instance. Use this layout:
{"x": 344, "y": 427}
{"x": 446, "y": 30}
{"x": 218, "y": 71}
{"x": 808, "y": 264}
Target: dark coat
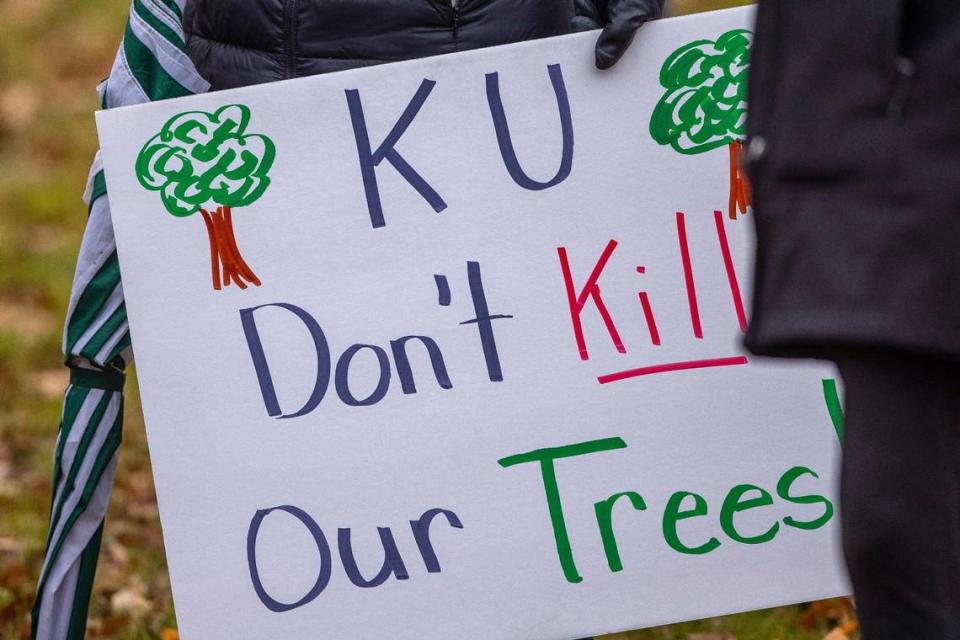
{"x": 854, "y": 157}
{"x": 235, "y": 43}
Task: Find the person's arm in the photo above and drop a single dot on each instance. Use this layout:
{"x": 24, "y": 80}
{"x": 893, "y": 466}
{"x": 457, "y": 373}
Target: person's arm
{"x": 619, "y": 20}
{"x": 150, "y": 65}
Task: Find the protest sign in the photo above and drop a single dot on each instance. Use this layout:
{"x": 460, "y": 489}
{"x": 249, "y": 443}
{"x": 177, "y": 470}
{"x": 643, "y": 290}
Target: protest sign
{"x": 451, "y": 348}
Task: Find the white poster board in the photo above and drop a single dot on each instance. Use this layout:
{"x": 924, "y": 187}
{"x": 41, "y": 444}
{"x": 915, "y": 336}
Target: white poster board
{"x": 295, "y": 435}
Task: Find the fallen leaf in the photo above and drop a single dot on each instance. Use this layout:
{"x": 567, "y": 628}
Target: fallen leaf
{"x": 130, "y": 602}
{"x": 827, "y": 613}
{"x": 19, "y": 105}
{"x": 9, "y": 545}
{"x": 49, "y": 383}
{"x": 110, "y": 626}
{"x": 117, "y": 553}
{"x": 26, "y": 320}
{"x": 851, "y": 626}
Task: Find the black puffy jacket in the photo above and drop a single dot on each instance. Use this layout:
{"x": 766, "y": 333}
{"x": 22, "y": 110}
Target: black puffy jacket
{"x": 235, "y": 43}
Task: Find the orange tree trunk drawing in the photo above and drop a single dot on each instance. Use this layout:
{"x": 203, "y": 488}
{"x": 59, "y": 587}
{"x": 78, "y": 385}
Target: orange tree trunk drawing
{"x": 705, "y": 105}
{"x": 224, "y": 255}
{"x": 740, "y": 198}
{"x": 205, "y": 162}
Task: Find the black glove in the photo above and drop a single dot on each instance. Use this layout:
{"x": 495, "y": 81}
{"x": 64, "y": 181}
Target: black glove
{"x": 619, "y": 20}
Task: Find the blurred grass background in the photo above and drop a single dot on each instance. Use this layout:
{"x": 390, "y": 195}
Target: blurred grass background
{"x": 52, "y": 55}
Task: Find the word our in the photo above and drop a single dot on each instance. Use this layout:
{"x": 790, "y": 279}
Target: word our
{"x": 393, "y": 564}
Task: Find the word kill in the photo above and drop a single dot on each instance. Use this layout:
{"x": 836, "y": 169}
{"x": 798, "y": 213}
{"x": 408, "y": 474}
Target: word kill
{"x": 590, "y": 291}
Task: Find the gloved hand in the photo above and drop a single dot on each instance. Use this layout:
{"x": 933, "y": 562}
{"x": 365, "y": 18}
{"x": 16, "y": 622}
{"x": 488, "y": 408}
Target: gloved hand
{"x": 619, "y": 20}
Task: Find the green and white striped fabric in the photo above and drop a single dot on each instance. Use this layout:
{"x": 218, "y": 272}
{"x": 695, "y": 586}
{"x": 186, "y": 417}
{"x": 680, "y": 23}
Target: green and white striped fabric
{"x": 150, "y": 65}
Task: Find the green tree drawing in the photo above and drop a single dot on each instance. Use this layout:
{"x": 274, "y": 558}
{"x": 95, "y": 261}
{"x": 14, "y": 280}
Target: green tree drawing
{"x": 207, "y": 162}
{"x": 705, "y": 104}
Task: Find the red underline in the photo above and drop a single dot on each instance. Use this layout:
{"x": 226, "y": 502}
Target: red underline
{"x": 672, "y": 366}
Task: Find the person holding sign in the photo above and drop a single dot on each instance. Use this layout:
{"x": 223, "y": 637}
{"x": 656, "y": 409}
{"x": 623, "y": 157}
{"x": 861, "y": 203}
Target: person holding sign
{"x": 239, "y": 43}
{"x": 175, "y": 48}
{"x": 854, "y": 155}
